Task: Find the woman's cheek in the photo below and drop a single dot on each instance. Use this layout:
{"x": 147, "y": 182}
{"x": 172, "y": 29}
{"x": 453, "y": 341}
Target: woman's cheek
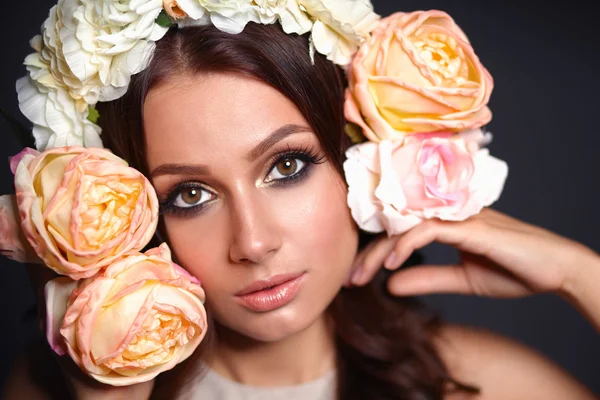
{"x": 312, "y": 219}
{"x": 326, "y": 231}
{"x": 193, "y": 247}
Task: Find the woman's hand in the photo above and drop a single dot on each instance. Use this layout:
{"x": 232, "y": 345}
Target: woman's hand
{"x": 500, "y": 257}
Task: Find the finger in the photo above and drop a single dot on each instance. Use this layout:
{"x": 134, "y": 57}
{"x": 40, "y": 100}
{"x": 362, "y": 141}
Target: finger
{"x": 471, "y": 236}
{"x": 455, "y": 279}
{"x": 373, "y": 258}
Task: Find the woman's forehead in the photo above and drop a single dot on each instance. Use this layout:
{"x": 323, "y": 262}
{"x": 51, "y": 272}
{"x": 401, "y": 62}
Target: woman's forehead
{"x": 213, "y": 115}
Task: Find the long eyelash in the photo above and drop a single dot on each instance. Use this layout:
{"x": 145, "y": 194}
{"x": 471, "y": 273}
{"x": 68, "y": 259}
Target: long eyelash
{"x": 166, "y": 204}
{"x": 307, "y": 154}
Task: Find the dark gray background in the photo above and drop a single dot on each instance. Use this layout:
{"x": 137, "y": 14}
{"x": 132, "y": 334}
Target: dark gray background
{"x": 544, "y": 59}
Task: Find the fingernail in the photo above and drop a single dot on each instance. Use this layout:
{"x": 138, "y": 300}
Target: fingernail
{"x": 389, "y": 261}
{"x": 356, "y": 276}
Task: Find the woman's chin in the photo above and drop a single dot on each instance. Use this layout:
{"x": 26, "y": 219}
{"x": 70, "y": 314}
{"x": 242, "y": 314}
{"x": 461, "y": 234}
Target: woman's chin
{"x": 275, "y": 325}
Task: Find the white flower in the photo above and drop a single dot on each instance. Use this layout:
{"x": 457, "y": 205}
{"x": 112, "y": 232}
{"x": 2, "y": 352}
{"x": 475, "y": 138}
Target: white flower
{"x": 226, "y": 15}
{"x": 93, "y": 47}
{"x": 340, "y": 26}
{"x": 57, "y": 122}
{"x": 287, "y": 12}
{"x": 294, "y": 20}
{"x": 232, "y": 16}
{"x": 268, "y": 10}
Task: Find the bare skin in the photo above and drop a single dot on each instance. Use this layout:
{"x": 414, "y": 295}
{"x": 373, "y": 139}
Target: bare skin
{"x": 500, "y": 257}
{"x": 253, "y": 225}
{"x": 251, "y": 228}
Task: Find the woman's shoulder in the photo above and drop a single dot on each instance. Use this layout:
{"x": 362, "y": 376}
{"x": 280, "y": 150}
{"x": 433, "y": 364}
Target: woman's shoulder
{"x": 504, "y": 368}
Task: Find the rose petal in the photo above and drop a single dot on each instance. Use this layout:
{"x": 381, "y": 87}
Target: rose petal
{"x": 57, "y": 293}
{"x": 394, "y": 186}
{"x": 418, "y": 73}
{"x": 362, "y": 182}
{"x": 83, "y": 208}
{"x": 12, "y": 241}
{"x": 134, "y": 320}
{"x": 16, "y": 159}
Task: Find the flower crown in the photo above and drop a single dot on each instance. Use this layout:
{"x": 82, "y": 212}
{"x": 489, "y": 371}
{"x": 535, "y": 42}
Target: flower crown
{"x": 415, "y": 104}
{"x": 89, "y": 49}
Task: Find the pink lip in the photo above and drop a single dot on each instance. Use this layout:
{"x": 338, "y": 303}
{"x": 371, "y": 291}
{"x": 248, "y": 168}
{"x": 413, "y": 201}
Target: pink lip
{"x": 272, "y": 293}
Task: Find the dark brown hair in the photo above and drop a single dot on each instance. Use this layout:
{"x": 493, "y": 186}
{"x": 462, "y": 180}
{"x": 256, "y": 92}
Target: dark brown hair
{"x": 385, "y": 345}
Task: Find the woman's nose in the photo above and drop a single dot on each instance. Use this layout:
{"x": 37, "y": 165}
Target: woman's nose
{"x": 255, "y": 232}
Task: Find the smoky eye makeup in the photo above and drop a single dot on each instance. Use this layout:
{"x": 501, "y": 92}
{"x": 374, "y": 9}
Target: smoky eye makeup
{"x": 285, "y": 168}
{"x": 186, "y": 198}
{"x": 292, "y": 165}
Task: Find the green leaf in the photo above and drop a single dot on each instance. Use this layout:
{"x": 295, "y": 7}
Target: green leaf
{"x": 93, "y": 114}
{"x": 164, "y": 20}
{"x": 23, "y": 134}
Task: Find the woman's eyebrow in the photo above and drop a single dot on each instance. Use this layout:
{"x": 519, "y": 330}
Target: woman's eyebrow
{"x": 276, "y": 136}
{"x": 197, "y": 169}
{"x": 179, "y": 169}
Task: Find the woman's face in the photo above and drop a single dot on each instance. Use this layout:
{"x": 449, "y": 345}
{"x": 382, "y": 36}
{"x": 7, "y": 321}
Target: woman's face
{"x": 250, "y": 204}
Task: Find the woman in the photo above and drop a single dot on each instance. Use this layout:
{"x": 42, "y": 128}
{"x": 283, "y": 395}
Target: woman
{"x": 243, "y": 138}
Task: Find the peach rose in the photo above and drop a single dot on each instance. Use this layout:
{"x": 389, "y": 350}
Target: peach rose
{"x": 137, "y": 318}
{"x": 82, "y": 208}
{"x": 394, "y": 186}
{"x": 173, "y": 10}
{"x": 417, "y": 73}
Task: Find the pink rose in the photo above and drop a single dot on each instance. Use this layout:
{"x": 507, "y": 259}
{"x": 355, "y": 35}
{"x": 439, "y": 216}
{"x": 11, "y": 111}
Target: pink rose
{"x": 394, "y": 186}
{"x": 137, "y": 318}
{"x": 418, "y": 73}
{"x": 15, "y": 160}
{"x": 82, "y": 209}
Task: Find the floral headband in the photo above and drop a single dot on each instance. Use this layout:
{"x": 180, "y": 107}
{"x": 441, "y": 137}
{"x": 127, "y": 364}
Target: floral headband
{"x": 416, "y": 102}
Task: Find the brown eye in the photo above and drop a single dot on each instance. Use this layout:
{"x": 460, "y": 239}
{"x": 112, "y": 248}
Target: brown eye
{"x": 286, "y": 168}
{"x": 191, "y": 196}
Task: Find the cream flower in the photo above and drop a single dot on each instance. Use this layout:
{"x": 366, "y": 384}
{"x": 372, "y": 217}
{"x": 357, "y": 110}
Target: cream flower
{"x": 56, "y": 120}
{"x": 92, "y": 47}
{"x": 417, "y": 73}
{"x": 294, "y": 20}
{"x": 137, "y": 318}
{"x": 268, "y": 10}
{"x": 226, "y": 15}
{"x": 233, "y": 15}
{"x": 287, "y": 12}
{"x": 340, "y": 26}
{"x": 81, "y": 209}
